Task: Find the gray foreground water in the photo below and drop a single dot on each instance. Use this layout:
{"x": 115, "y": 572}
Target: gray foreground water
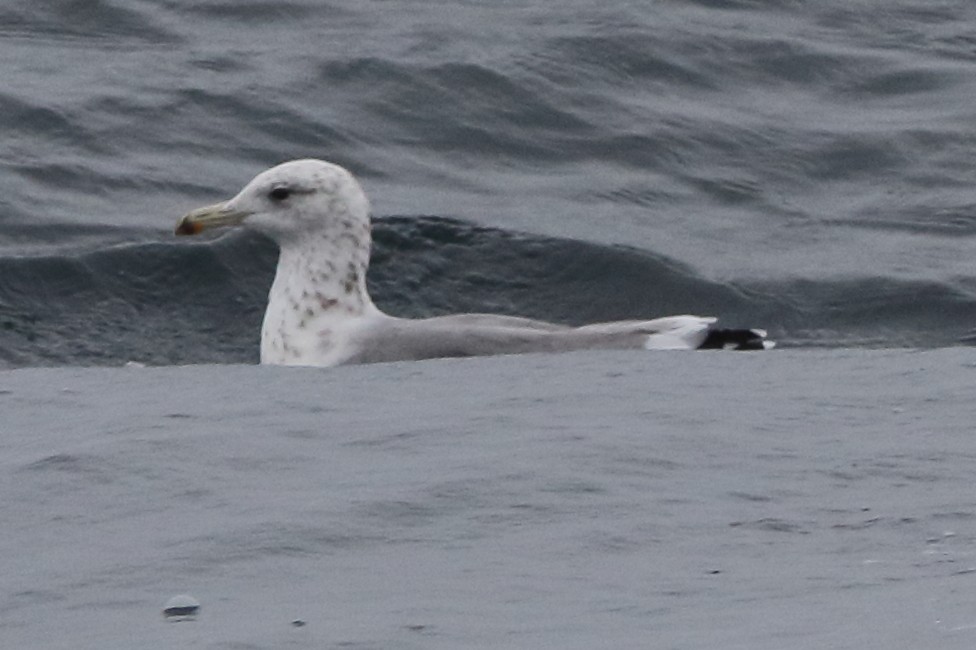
{"x": 797, "y": 499}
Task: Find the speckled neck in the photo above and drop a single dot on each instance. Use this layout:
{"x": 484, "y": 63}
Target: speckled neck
{"x": 320, "y": 284}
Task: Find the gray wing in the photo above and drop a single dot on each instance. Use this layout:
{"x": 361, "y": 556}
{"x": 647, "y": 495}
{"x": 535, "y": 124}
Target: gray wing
{"x": 468, "y": 335}
{"x": 490, "y": 320}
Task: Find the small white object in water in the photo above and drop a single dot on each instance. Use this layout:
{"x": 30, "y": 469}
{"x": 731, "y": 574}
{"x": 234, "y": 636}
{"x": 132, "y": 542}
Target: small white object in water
{"x": 182, "y": 607}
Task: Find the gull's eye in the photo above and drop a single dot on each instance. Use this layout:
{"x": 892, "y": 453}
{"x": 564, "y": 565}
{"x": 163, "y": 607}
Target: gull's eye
{"x": 279, "y": 193}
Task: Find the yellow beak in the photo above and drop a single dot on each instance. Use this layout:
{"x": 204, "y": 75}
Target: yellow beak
{"x": 217, "y": 215}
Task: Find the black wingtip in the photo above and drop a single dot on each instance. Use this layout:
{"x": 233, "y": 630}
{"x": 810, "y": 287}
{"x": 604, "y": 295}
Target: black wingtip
{"x": 736, "y": 339}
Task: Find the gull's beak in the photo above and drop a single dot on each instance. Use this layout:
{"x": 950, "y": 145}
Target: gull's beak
{"x": 217, "y": 215}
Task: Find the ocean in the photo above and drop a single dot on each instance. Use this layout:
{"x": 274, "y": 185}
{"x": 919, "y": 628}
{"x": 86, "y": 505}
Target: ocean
{"x": 796, "y": 498}
{"x": 802, "y": 167}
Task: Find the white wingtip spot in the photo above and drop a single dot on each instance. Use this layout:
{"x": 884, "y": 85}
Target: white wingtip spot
{"x": 685, "y": 333}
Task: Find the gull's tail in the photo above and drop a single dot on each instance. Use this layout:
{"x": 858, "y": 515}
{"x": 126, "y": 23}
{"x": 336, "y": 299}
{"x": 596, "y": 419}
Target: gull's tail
{"x": 699, "y": 333}
{"x": 733, "y": 339}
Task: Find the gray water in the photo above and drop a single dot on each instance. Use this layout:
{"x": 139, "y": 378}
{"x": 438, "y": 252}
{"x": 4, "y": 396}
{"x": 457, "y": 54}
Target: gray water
{"x": 745, "y": 138}
{"x": 801, "y": 499}
{"x": 805, "y": 167}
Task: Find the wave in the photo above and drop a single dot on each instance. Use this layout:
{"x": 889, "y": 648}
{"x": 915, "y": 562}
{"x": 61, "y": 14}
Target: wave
{"x": 175, "y": 303}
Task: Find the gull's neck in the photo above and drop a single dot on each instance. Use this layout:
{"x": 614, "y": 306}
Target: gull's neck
{"x": 319, "y": 290}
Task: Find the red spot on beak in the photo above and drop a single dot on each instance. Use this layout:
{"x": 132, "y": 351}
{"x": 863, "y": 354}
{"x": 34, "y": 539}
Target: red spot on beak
{"x": 188, "y": 227}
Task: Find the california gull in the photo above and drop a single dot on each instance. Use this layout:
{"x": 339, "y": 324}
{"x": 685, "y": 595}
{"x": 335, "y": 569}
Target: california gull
{"x": 320, "y": 314}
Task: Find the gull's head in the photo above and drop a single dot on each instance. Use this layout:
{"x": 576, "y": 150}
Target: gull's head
{"x": 290, "y": 201}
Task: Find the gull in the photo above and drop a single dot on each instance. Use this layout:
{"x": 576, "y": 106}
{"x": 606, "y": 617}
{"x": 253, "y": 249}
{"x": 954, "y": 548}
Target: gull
{"x": 320, "y": 314}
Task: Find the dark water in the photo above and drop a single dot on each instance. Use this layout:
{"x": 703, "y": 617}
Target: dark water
{"x": 806, "y": 167}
